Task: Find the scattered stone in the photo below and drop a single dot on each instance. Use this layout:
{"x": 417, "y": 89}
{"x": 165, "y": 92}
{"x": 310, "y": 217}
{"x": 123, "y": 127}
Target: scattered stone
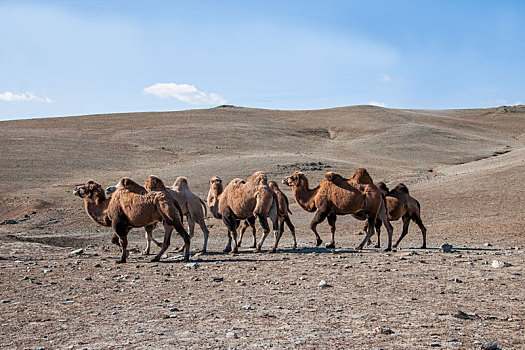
{"x": 461, "y": 315}
{"x": 218, "y": 279}
{"x": 498, "y": 264}
{"x": 248, "y": 307}
{"x": 9, "y": 222}
{"x": 88, "y": 278}
{"x": 191, "y": 266}
{"x": 98, "y": 265}
{"x": 457, "y": 280}
{"x": 47, "y": 271}
{"x": 5, "y": 301}
{"x": 323, "y": 284}
{"x": 488, "y": 245}
{"x": 174, "y": 309}
{"x": 77, "y": 252}
{"x": 232, "y": 335}
{"x": 347, "y": 330}
{"x": 383, "y": 330}
{"x": 434, "y": 345}
{"x": 451, "y": 340}
{"x": 489, "y": 346}
{"x": 445, "y": 248}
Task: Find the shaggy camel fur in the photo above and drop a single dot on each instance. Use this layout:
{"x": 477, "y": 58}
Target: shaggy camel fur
{"x": 241, "y": 200}
{"x": 284, "y": 217}
{"x": 127, "y": 209}
{"x": 336, "y": 195}
{"x": 401, "y": 205}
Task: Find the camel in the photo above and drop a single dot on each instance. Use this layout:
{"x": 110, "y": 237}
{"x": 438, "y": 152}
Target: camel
{"x": 336, "y": 195}
{"x": 127, "y": 209}
{"x": 192, "y": 206}
{"x": 400, "y": 204}
{"x": 284, "y": 217}
{"x": 241, "y": 200}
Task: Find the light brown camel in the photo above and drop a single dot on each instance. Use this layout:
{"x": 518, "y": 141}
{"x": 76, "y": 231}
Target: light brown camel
{"x": 400, "y": 204}
{"x": 339, "y": 196}
{"x": 284, "y": 217}
{"x": 127, "y": 209}
{"x": 241, "y": 200}
{"x": 192, "y": 206}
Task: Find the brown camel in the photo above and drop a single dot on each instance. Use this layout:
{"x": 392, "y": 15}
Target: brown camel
{"x": 127, "y": 209}
{"x": 241, "y": 200}
{"x": 284, "y": 216}
{"x": 192, "y": 206}
{"x": 336, "y": 195}
{"x": 400, "y": 204}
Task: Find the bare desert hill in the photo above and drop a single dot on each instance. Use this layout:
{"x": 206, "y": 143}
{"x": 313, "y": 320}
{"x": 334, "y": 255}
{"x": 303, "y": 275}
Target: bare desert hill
{"x": 466, "y": 168}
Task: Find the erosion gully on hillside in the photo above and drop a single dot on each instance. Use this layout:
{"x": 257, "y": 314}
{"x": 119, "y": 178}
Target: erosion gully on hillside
{"x": 465, "y": 167}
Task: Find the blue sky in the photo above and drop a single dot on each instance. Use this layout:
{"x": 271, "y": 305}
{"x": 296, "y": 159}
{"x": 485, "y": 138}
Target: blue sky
{"x": 60, "y": 58}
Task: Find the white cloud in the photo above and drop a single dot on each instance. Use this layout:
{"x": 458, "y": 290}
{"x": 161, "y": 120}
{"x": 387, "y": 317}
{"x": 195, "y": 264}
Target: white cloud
{"x": 26, "y": 96}
{"x": 501, "y": 102}
{"x": 384, "y": 78}
{"x": 377, "y": 104}
{"x": 185, "y": 93}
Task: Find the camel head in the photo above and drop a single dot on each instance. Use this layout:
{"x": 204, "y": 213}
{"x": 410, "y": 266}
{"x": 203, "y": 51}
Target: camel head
{"x": 296, "y": 179}
{"x": 273, "y": 185}
{"x": 259, "y": 178}
{"x": 90, "y": 190}
{"x": 180, "y": 184}
{"x": 111, "y": 189}
{"x": 154, "y": 183}
{"x": 400, "y": 188}
{"x": 216, "y": 185}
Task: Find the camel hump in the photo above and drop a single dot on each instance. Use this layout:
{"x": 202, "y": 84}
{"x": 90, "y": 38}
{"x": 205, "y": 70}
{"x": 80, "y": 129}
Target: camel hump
{"x": 154, "y": 183}
{"x": 130, "y": 185}
{"x": 181, "y": 183}
{"x": 383, "y": 187}
{"x": 331, "y": 176}
{"x": 259, "y": 177}
{"x": 362, "y": 176}
{"x": 400, "y": 188}
{"x": 273, "y": 185}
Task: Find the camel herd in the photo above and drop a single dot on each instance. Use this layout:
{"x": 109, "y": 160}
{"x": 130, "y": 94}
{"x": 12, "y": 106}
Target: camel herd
{"x": 129, "y": 205}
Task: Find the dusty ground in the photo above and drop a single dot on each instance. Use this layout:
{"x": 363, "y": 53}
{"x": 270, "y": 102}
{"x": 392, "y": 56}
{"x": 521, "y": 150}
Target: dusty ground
{"x": 466, "y": 167}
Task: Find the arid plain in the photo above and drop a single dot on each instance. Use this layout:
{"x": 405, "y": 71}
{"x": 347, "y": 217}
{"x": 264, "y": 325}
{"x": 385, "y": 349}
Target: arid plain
{"x": 465, "y": 167}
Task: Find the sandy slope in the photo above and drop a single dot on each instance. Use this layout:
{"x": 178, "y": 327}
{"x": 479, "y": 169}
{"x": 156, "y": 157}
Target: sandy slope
{"x": 475, "y": 194}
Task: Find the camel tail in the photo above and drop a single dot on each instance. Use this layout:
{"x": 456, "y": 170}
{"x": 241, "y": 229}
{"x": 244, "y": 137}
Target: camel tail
{"x": 205, "y": 207}
{"x": 418, "y": 205}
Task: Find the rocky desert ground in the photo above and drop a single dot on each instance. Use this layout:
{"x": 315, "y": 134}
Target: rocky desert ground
{"x": 61, "y": 289}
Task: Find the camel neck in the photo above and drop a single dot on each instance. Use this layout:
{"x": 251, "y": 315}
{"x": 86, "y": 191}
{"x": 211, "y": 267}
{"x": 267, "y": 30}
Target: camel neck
{"x": 213, "y": 201}
{"x": 97, "y": 211}
{"x": 305, "y": 196}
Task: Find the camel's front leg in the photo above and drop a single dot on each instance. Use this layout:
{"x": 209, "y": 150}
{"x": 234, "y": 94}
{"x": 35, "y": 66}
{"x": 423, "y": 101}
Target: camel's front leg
{"x": 245, "y": 225}
{"x": 331, "y": 222}
{"x": 319, "y": 217}
{"x": 122, "y": 233}
{"x": 168, "y": 229}
{"x": 266, "y": 231}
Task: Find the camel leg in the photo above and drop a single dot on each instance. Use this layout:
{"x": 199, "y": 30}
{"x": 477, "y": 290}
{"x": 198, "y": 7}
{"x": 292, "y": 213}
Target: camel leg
{"x": 228, "y": 247}
{"x": 266, "y": 231}
{"x": 149, "y": 238}
{"x": 331, "y": 222}
{"x": 389, "y": 229}
{"x": 191, "y": 229}
{"x": 406, "y": 223}
{"x": 122, "y": 233}
{"x": 423, "y": 229}
{"x": 231, "y": 223}
{"x": 251, "y": 221}
{"x": 168, "y": 229}
{"x": 115, "y": 240}
{"x": 292, "y": 230}
{"x": 370, "y": 233}
{"x": 277, "y": 232}
{"x": 245, "y": 225}
{"x": 206, "y": 232}
{"x": 378, "y": 231}
{"x": 319, "y": 217}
